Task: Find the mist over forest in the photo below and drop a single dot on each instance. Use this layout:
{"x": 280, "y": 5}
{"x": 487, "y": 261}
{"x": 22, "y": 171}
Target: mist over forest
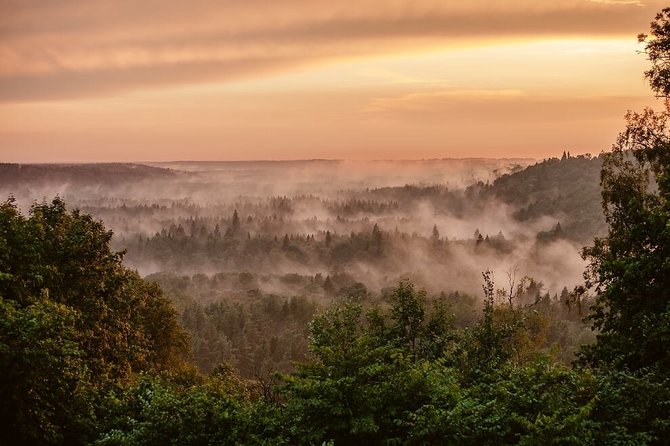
{"x": 292, "y": 225}
{"x": 237, "y": 237}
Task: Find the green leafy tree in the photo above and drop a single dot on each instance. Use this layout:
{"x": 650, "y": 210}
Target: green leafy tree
{"x": 407, "y": 315}
{"x": 630, "y": 267}
{"x": 368, "y": 374}
{"x": 538, "y": 403}
{"x": 160, "y": 410}
{"x": 657, "y": 48}
{"x": 486, "y": 345}
{"x": 112, "y": 323}
{"x": 46, "y": 382}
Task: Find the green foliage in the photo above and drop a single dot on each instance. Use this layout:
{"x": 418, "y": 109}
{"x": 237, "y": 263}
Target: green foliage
{"x": 538, "y": 403}
{"x": 125, "y": 324}
{"x": 156, "y": 411}
{"x": 407, "y": 315}
{"x": 257, "y": 336}
{"x": 368, "y": 383}
{"x": 566, "y": 189}
{"x": 396, "y": 374}
{"x": 371, "y": 384}
{"x": 657, "y": 47}
{"x": 484, "y": 347}
{"x": 75, "y": 321}
{"x": 632, "y": 407}
{"x": 367, "y": 375}
{"x": 46, "y": 381}
{"x": 630, "y": 269}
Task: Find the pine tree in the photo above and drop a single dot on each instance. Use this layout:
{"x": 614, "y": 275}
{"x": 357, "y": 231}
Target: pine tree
{"x": 435, "y": 238}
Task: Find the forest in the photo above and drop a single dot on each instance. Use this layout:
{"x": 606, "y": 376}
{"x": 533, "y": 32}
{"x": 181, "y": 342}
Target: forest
{"x": 247, "y": 271}
{"x": 323, "y": 302}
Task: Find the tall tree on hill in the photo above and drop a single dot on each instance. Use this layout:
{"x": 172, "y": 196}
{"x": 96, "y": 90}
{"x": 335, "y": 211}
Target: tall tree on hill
{"x": 630, "y": 267}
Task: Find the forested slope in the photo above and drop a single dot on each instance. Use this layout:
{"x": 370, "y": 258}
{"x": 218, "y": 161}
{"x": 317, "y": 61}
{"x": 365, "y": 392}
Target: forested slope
{"x": 568, "y": 188}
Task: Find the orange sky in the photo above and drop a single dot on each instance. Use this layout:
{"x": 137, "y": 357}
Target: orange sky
{"x": 294, "y": 79}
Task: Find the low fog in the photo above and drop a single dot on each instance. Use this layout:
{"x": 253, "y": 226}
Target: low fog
{"x": 321, "y": 228}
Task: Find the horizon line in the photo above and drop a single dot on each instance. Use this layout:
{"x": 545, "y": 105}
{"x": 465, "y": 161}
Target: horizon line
{"x": 273, "y": 160}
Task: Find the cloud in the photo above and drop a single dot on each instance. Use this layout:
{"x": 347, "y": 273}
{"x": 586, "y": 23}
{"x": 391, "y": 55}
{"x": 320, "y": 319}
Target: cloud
{"x": 436, "y": 100}
{"x": 496, "y": 105}
{"x": 619, "y": 2}
{"x": 78, "y": 49}
{"x": 101, "y": 81}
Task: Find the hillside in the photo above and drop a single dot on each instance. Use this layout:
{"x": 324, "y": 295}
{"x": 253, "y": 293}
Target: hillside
{"x": 106, "y": 173}
{"x": 568, "y": 189}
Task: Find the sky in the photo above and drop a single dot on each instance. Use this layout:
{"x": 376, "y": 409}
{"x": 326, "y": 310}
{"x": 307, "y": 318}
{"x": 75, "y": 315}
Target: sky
{"x": 159, "y": 80}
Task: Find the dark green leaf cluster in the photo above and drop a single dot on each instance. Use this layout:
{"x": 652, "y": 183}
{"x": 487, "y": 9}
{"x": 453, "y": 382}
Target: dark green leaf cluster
{"x": 188, "y": 410}
{"x": 406, "y": 376}
{"x": 75, "y": 323}
{"x": 630, "y": 267}
{"x": 658, "y": 48}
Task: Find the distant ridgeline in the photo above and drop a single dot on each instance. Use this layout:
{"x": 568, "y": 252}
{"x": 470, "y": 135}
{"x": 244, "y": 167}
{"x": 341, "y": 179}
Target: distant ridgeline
{"x": 566, "y": 188}
{"x": 35, "y": 175}
{"x": 247, "y": 217}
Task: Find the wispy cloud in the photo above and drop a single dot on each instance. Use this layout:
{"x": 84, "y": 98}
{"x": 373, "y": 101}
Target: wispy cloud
{"x": 495, "y": 106}
{"x": 77, "y": 49}
{"x": 431, "y": 101}
{"x": 620, "y": 2}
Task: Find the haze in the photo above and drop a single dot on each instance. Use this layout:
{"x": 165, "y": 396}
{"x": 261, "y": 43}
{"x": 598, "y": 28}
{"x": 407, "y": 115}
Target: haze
{"x": 296, "y": 79}
{"x": 364, "y": 222}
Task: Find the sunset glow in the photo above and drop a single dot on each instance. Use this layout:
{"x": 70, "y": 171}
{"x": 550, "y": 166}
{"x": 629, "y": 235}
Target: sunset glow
{"x": 316, "y": 79}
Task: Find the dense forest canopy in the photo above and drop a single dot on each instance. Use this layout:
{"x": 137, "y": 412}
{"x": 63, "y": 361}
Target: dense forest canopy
{"x": 229, "y": 258}
{"x": 308, "y": 319}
